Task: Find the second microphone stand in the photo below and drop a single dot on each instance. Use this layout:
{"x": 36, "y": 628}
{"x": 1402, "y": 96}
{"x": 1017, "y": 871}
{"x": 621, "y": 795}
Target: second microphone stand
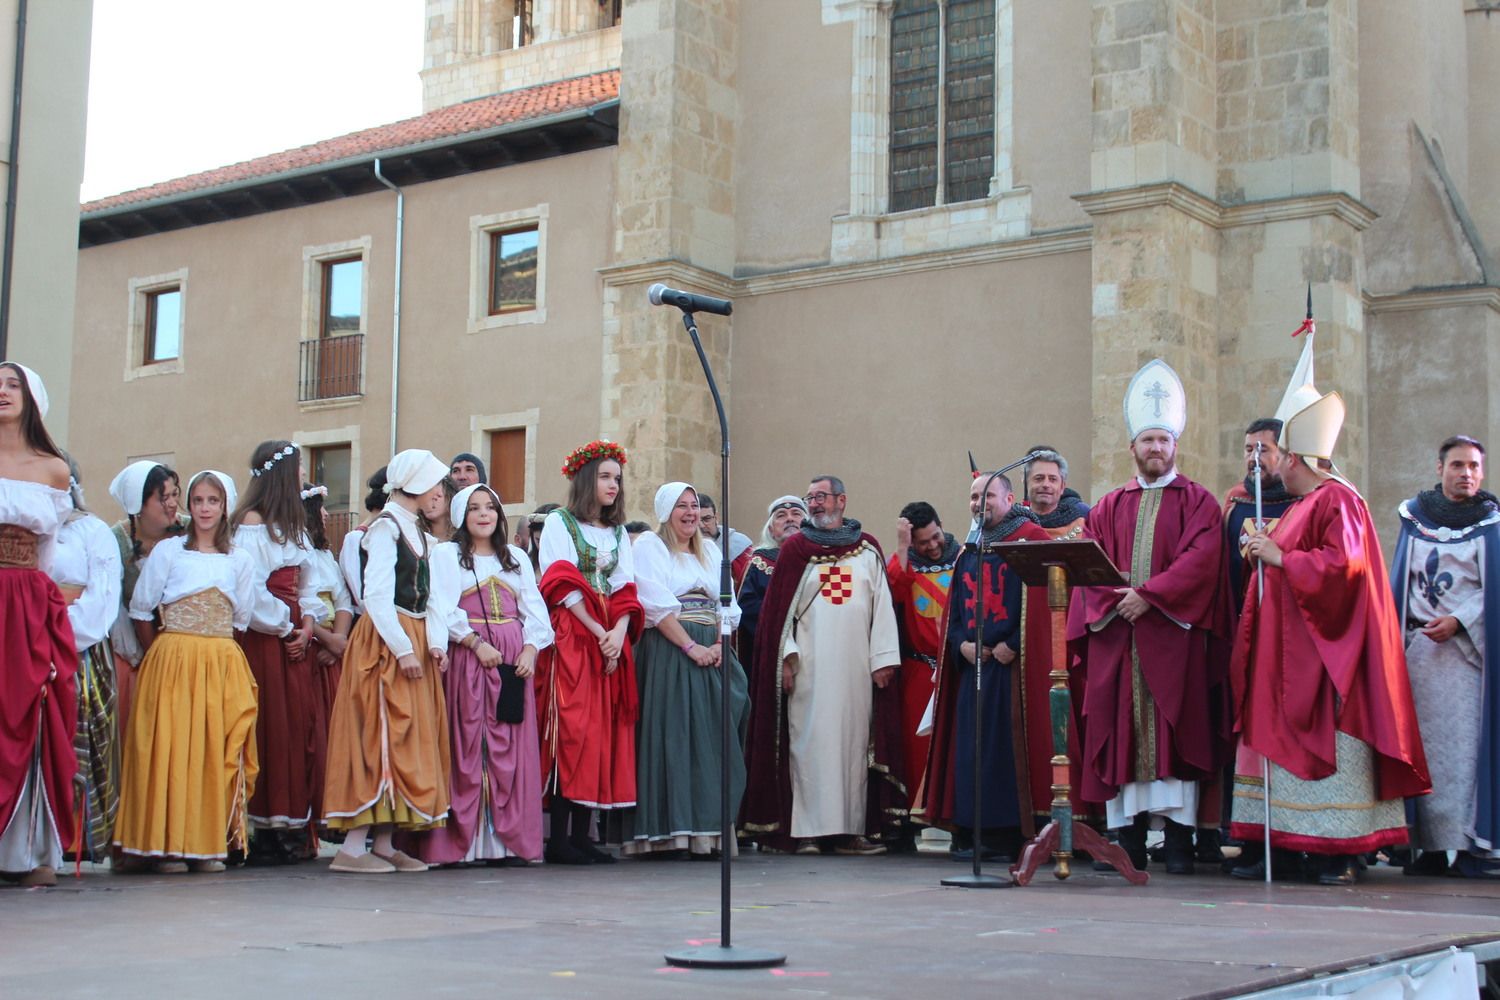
{"x": 977, "y": 879}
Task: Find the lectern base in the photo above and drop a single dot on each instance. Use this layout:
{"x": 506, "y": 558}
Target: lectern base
{"x": 980, "y": 881}
{"x": 713, "y": 956}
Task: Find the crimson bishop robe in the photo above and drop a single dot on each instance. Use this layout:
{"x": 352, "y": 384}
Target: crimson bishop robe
{"x": 1150, "y": 688}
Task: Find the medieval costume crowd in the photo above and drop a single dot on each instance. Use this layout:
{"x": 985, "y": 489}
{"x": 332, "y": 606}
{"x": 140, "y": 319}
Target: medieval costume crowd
{"x": 208, "y": 683}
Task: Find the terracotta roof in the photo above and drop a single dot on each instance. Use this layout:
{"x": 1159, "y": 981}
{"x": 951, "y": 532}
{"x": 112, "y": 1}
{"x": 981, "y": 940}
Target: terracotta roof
{"x": 449, "y": 122}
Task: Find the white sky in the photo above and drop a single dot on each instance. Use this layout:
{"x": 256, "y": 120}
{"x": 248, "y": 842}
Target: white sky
{"x": 179, "y": 86}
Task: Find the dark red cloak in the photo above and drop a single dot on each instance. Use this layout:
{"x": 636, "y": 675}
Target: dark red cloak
{"x": 767, "y": 810}
{"x": 586, "y": 717}
{"x": 1182, "y": 667}
{"x": 1030, "y": 722}
{"x": 1324, "y": 651}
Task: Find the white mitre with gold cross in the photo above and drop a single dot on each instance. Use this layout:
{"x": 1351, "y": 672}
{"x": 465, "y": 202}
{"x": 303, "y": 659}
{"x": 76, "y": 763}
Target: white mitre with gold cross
{"x": 1155, "y": 400}
{"x": 1310, "y": 420}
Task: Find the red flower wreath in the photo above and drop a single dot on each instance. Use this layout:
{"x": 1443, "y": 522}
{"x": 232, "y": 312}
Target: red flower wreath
{"x": 585, "y": 454}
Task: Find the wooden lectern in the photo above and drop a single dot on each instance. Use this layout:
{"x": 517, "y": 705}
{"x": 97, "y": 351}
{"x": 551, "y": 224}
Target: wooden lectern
{"x": 1058, "y": 566}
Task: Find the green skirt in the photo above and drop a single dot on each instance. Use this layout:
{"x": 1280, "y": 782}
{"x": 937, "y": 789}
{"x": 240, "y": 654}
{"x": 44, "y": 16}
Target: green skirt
{"x": 679, "y": 745}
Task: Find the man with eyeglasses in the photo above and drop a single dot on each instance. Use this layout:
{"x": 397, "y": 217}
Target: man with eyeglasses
{"x": 826, "y": 650}
{"x": 738, "y": 544}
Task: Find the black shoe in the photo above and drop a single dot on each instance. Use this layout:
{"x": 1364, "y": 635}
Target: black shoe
{"x": 593, "y": 853}
{"x": 1429, "y": 864}
{"x": 1178, "y": 848}
{"x": 1255, "y": 871}
{"x": 1340, "y": 869}
{"x": 1210, "y": 847}
{"x": 564, "y": 853}
{"x": 1133, "y": 839}
{"x": 1468, "y": 866}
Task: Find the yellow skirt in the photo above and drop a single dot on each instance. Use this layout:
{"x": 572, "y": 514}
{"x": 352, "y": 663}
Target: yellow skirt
{"x": 190, "y": 762}
{"x": 388, "y": 753}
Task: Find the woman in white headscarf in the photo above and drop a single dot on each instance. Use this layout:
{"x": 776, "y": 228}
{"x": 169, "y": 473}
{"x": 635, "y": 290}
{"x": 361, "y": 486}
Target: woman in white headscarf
{"x": 37, "y": 658}
{"x": 151, "y": 496}
{"x": 497, "y": 623}
{"x": 388, "y": 753}
{"x": 190, "y": 758}
{"x": 681, "y": 672}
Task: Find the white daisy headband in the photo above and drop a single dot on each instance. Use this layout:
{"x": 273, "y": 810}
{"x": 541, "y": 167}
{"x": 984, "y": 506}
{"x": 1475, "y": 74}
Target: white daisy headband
{"x": 266, "y": 466}
{"x": 314, "y": 491}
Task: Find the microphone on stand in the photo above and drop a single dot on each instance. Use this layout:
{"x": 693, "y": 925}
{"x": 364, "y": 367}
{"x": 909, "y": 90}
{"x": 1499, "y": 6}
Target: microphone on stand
{"x": 688, "y": 302}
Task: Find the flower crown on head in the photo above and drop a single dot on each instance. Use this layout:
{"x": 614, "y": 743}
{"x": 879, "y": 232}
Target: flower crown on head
{"x": 579, "y": 457}
{"x": 266, "y": 466}
{"x": 314, "y": 491}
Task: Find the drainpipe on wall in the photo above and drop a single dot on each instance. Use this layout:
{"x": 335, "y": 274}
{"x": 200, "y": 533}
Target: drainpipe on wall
{"x": 396, "y": 321}
{"x": 7, "y": 257}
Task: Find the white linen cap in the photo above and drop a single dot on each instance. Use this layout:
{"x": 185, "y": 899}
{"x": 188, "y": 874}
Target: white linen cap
{"x": 666, "y": 499}
{"x": 35, "y": 384}
{"x": 231, "y": 495}
{"x": 415, "y": 470}
{"x": 130, "y": 483}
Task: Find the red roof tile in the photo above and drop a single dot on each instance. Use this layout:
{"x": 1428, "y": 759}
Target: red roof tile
{"x": 443, "y": 123}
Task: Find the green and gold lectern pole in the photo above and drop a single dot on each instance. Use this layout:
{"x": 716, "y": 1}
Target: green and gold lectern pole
{"x": 1059, "y": 565}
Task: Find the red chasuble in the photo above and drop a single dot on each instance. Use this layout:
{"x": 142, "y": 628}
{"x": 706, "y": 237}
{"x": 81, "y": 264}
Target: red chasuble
{"x": 587, "y": 717}
{"x": 1183, "y": 574}
{"x": 1031, "y": 718}
{"x": 1324, "y": 651}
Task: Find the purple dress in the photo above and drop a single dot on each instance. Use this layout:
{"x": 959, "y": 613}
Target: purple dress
{"x": 496, "y": 792}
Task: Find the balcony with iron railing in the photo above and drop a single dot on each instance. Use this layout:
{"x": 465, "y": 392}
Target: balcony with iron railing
{"x": 331, "y": 368}
{"x": 340, "y": 523}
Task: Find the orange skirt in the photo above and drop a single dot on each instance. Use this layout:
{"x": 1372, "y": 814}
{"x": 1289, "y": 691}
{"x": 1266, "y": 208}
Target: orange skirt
{"x": 388, "y": 753}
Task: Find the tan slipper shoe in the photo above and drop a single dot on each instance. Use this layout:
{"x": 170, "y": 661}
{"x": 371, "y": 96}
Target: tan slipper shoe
{"x": 207, "y": 865}
{"x": 170, "y": 867}
{"x": 402, "y": 862}
{"x": 364, "y": 864}
{"x": 43, "y": 875}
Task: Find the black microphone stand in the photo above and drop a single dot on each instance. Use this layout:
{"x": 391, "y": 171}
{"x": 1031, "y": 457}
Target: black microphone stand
{"x": 977, "y": 879}
{"x": 722, "y": 955}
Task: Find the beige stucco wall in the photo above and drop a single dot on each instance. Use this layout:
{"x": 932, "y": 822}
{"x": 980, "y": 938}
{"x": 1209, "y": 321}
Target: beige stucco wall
{"x": 243, "y": 321}
{"x": 54, "y": 109}
{"x": 791, "y": 166}
{"x": 1053, "y": 105}
{"x": 888, "y": 383}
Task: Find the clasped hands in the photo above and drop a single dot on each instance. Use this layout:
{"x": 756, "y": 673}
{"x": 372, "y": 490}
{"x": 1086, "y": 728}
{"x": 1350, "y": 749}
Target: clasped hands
{"x": 411, "y": 667}
{"x": 490, "y": 658}
{"x": 612, "y": 644}
{"x": 1002, "y": 653}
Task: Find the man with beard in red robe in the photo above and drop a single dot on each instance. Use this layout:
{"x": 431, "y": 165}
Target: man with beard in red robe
{"x": 1319, "y": 669}
{"x": 1148, "y": 725}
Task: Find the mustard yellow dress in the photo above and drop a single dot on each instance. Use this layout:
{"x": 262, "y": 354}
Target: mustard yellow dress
{"x": 190, "y": 759}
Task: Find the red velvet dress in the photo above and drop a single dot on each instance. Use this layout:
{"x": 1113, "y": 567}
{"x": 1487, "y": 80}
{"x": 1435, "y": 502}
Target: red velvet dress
{"x": 38, "y": 664}
{"x": 587, "y": 717}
